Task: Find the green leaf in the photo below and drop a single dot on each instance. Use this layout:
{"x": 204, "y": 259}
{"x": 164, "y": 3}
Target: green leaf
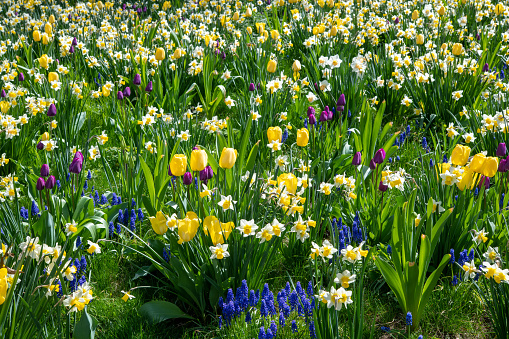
{"x": 85, "y": 328}
{"x": 158, "y": 310}
{"x": 392, "y": 279}
{"x": 149, "y": 180}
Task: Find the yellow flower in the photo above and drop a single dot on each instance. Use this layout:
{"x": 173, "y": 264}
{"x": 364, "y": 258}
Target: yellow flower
{"x": 441, "y": 11}
{"x": 289, "y": 180}
{"x": 159, "y": 223}
{"x": 236, "y": 16}
{"x": 160, "y": 54}
{"x": 478, "y": 162}
{"x": 43, "y": 61}
{"x": 419, "y": 39}
{"x": 48, "y": 29}
{"x": 45, "y": 136}
{"x": 3, "y": 284}
{"x": 218, "y": 231}
{"x": 274, "y": 134}
{"x": 490, "y": 167}
{"x": 188, "y": 227}
{"x": 415, "y": 15}
{"x": 52, "y": 76}
{"x": 302, "y": 137}
{"x": 228, "y": 158}
{"x": 177, "y": 54}
{"x": 274, "y": 34}
{"x": 271, "y": 66}
{"x": 199, "y": 160}
{"x": 296, "y": 67}
{"x": 499, "y": 9}
{"x": 467, "y": 179}
{"x": 178, "y": 165}
{"x": 460, "y": 154}
{"x": 37, "y": 36}
{"x": 457, "y": 49}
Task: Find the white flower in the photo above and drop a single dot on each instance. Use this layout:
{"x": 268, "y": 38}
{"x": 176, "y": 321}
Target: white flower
{"x": 93, "y": 248}
{"x": 247, "y": 228}
{"x": 338, "y": 297}
{"x": 227, "y": 202}
{"x": 457, "y": 95}
{"x": 265, "y": 234}
{"x": 71, "y": 227}
{"x": 219, "y": 251}
{"x": 345, "y": 279}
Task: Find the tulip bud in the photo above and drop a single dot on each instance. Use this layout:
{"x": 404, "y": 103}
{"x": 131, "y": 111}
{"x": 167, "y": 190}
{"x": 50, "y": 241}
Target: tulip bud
{"x": 396, "y": 21}
{"x": 302, "y": 137}
{"x": 53, "y": 76}
{"x": 415, "y": 15}
{"x": 490, "y": 167}
{"x": 178, "y": 165}
{"x": 486, "y": 67}
{"x": 501, "y": 150}
{"x": 502, "y": 167}
{"x": 187, "y": 179}
{"x": 341, "y": 100}
{"x": 77, "y": 163}
{"x": 271, "y": 66}
{"x": 203, "y": 175}
{"x": 149, "y": 88}
{"x": 199, "y": 159}
{"x": 484, "y": 181}
{"x": 74, "y": 42}
{"x": 323, "y": 116}
{"x": 40, "y": 146}
{"x": 312, "y": 119}
{"x": 50, "y": 183}
{"x": 441, "y": 11}
{"x": 160, "y": 54}
{"x": 127, "y": 92}
{"x": 48, "y": 29}
{"x": 3, "y": 94}
{"x": 40, "y": 184}
{"x": 52, "y": 110}
{"x": 372, "y": 164}
{"x": 37, "y": 36}
{"x": 137, "y": 80}
{"x": 228, "y": 158}
{"x": 120, "y": 96}
{"x": 210, "y": 172}
{"x": 71, "y": 50}
{"x": 274, "y": 133}
{"x": 419, "y": 39}
{"x": 382, "y": 187}
{"x": 21, "y": 77}
{"x": 357, "y": 159}
{"x": 459, "y": 155}
{"x": 296, "y": 67}
{"x": 44, "y": 170}
{"x": 379, "y": 156}
{"x": 457, "y": 49}
{"x": 251, "y": 87}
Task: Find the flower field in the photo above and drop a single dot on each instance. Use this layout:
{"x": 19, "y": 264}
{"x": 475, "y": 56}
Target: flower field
{"x": 254, "y": 169}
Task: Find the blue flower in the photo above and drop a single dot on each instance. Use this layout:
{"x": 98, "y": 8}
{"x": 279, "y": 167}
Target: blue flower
{"x": 471, "y": 255}
{"x": 263, "y": 309}
{"x": 261, "y": 334}
{"x": 312, "y": 332}
{"x": 282, "y": 319}
{"x": 133, "y": 203}
{"x": 389, "y": 249}
{"x": 294, "y": 327}
{"x": 385, "y": 329}
{"x": 140, "y": 215}
{"x": 166, "y": 253}
{"x": 78, "y": 241}
{"x": 285, "y": 136}
{"x": 83, "y": 264}
{"x": 454, "y": 280}
{"x": 273, "y": 328}
{"x": 34, "y": 209}
{"x": 309, "y": 290}
{"x": 409, "y": 319}
{"x": 248, "y": 317}
{"x": 89, "y": 175}
{"x": 104, "y": 199}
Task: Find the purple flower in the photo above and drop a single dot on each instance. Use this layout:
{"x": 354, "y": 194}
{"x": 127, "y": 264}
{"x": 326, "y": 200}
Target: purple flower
{"x": 501, "y": 150}
{"x": 127, "y": 92}
{"x": 251, "y": 87}
{"x": 210, "y": 172}
{"x": 137, "y": 80}
{"x": 341, "y": 100}
{"x": 74, "y": 42}
{"x": 311, "y": 111}
{"x": 312, "y": 119}
{"x": 50, "y": 183}
{"x": 382, "y": 187}
{"x": 372, "y": 164}
{"x": 149, "y": 88}
{"x": 40, "y": 184}
{"x": 3, "y": 94}
{"x": 40, "y": 146}
{"x": 77, "y": 163}
{"x": 502, "y": 166}
{"x": 188, "y": 178}
{"x": 357, "y": 158}
{"x": 120, "y": 95}
{"x": 396, "y": 21}
{"x": 485, "y": 181}
{"x": 21, "y": 77}
{"x": 203, "y": 175}
{"x": 44, "y": 170}
{"x": 379, "y": 156}
{"x": 486, "y": 67}
{"x": 71, "y": 50}
{"x": 324, "y": 116}
{"x": 52, "y": 110}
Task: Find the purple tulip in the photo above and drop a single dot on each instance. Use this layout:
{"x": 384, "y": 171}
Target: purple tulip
{"x": 357, "y": 158}
{"x": 144, "y": 8}
{"x": 502, "y": 166}
{"x": 44, "y": 170}
{"x": 223, "y": 55}
{"x": 149, "y": 88}
{"x": 210, "y": 172}
{"x": 324, "y": 116}
{"x": 251, "y": 87}
{"x": 485, "y": 181}
{"x": 120, "y": 96}
{"x": 501, "y": 150}
{"x": 71, "y": 50}
{"x": 379, "y": 156}
{"x": 383, "y": 187}
{"x": 341, "y": 100}
{"x": 188, "y": 178}
{"x": 40, "y": 184}
{"x": 203, "y": 175}
{"x": 477, "y": 36}
{"x": 40, "y": 146}
{"x": 74, "y": 42}
{"x": 311, "y": 110}
{"x": 52, "y": 110}
{"x": 124, "y": 7}
{"x": 316, "y": 87}
{"x": 138, "y": 10}
{"x": 21, "y": 77}
{"x": 372, "y": 164}
{"x": 396, "y": 21}
{"x": 486, "y": 67}
{"x": 77, "y": 163}
{"x": 137, "y": 80}
{"x": 312, "y": 119}
{"x": 127, "y": 92}
{"x": 3, "y": 94}
{"x": 50, "y": 183}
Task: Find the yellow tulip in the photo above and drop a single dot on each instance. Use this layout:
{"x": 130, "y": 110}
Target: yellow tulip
{"x": 415, "y": 15}
{"x": 52, "y": 76}
{"x": 48, "y": 29}
{"x": 316, "y": 30}
{"x": 100, "y": 5}
{"x": 51, "y": 19}
{"x": 260, "y": 27}
{"x": 178, "y": 165}
{"x": 3, "y": 284}
{"x": 236, "y": 16}
{"x": 274, "y": 133}
{"x": 460, "y": 154}
{"x": 271, "y": 66}
{"x": 188, "y": 227}
{"x": 419, "y": 39}
{"x": 457, "y": 49}
{"x": 499, "y": 9}
{"x": 441, "y": 11}
{"x": 218, "y": 231}
{"x": 4, "y": 106}
{"x": 289, "y": 180}
{"x": 249, "y": 12}
{"x": 274, "y": 34}
{"x": 45, "y": 136}
{"x": 334, "y": 31}
{"x": 159, "y": 223}
{"x": 490, "y": 167}
{"x": 249, "y": 30}
{"x": 468, "y": 179}
{"x": 302, "y": 137}
{"x": 296, "y": 67}
{"x": 43, "y": 61}
{"x": 37, "y": 36}
{"x": 228, "y": 158}
{"x": 105, "y": 91}
{"x": 160, "y": 54}
{"x": 199, "y": 160}
{"x": 45, "y": 39}
{"x": 444, "y": 46}
{"x": 177, "y": 54}
{"x": 478, "y": 162}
